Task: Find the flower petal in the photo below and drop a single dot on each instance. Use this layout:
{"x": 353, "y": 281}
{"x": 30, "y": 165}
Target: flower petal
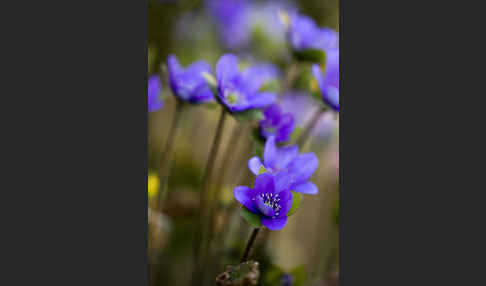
{"x": 270, "y": 152}
{"x": 283, "y": 181}
{"x": 285, "y": 156}
{"x": 303, "y": 167}
{"x": 227, "y": 67}
{"x": 306, "y": 188}
{"x": 285, "y": 202}
{"x": 264, "y": 183}
{"x": 244, "y": 195}
{"x": 255, "y": 76}
{"x": 274, "y": 224}
{"x": 255, "y": 164}
{"x": 262, "y": 99}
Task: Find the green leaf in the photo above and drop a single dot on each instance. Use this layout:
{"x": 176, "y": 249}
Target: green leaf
{"x": 253, "y": 219}
{"x": 212, "y": 83}
{"x": 296, "y": 133}
{"x": 251, "y": 114}
{"x": 270, "y": 86}
{"x": 256, "y": 137}
{"x": 296, "y": 200}
{"x": 299, "y": 275}
{"x": 311, "y": 55}
{"x": 262, "y": 170}
{"x": 272, "y": 276}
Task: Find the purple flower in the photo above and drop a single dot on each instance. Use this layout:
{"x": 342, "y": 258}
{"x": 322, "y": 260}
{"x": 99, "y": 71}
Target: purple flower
{"x": 239, "y": 91}
{"x": 268, "y": 199}
{"x": 232, "y": 19}
{"x": 305, "y": 34}
{"x": 154, "y": 88}
{"x": 329, "y": 80}
{"x": 288, "y": 166}
{"x": 277, "y": 123}
{"x": 188, "y": 84}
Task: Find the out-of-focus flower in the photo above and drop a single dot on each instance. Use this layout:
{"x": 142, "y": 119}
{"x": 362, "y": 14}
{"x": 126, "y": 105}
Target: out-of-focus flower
{"x": 188, "y": 84}
{"x": 153, "y": 185}
{"x": 239, "y": 91}
{"x": 154, "y": 89}
{"x": 300, "y": 104}
{"x": 329, "y": 79}
{"x": 277, "y": 123}
{"x": 269, "y": 199}
{"x": 288, "y": 166}
{"x": 304, "y": 34}
{"x": 232, "y": 19}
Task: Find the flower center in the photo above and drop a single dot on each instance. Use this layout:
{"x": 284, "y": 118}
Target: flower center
{"x": 232, "y": 97}
{"x": 272, "y": 200}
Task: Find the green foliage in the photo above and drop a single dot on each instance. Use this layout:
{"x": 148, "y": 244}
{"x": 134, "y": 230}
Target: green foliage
{"x": 262, "y": 170}
{"x": 296, "y": 201}
{"x": 311, "y": 55}
{"x": 248, "y": 115}
{"x": 253, "y": 219}
{"x": 256, "y": 136}
{"x": 298, "y": 276}
{"x": 296, "y": 133}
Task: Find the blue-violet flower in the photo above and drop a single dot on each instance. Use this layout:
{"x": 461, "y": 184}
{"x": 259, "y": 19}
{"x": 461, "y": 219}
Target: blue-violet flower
{"x": 304, "y": 34}
{"x": 239, "y": 91}
{"x": 154, "y": 88}
{"x": 188, "y": 84}
{"x": 277, "y": 123}
{"x": 288, "y": 166}
{"x": 268, "y": 199}
{"x": 328, "y": 80}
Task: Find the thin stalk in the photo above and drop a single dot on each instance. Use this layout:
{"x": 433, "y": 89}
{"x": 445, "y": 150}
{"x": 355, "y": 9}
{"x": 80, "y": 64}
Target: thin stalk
{"x": 308, "y": 130}
{"x": 167, "y": 154}
{"x": 249, "y": 244}
{"x": 203, "y": 200}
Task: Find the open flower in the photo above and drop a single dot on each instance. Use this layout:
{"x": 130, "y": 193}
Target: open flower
{"x": 288, "y": 166}
{"x": 239, "y": 91}
{"x": 154, "y": 88}
{"x": 277, "y": 123}
{"x": 188, "y": 84}
{"x": 304, "y": 34}
{"x": 328, "y": 80}
{"x": 268, "y": 199}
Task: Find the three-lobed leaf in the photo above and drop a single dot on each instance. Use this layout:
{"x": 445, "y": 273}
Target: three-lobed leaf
{"x": 253, "y": 219}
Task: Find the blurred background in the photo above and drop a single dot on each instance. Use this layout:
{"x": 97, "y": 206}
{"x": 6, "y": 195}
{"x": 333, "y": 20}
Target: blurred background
{"x": 306, "y": 250}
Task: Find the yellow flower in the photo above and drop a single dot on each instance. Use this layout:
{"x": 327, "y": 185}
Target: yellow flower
{"x": 153, "y": 185}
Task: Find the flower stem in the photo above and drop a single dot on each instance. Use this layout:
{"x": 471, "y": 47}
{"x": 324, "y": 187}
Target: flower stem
{"x": 166, "y": 158}
{"x": 197, "y": 259}
{"x": 249, "y": 244}
{"x": 308, "y": 130}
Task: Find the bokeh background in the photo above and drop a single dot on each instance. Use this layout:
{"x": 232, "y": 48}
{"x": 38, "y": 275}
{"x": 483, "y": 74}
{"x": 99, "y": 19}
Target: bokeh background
{"x": 309, "y": 242}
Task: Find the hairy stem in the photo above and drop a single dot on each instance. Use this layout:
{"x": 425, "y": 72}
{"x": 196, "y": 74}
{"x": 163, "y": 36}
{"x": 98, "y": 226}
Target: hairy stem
{"x": 167, "y": 154}
{"x": 197, "y": 259}
{"x": 308, "y": 130}
{"x": 249, "y": 244}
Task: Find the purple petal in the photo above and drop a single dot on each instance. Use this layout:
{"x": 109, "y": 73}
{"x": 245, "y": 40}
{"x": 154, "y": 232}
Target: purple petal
{"x": 263, "y": 208}
{"x": 285, "y": 156}
{"x": 173, "y": 65}
{"x": 306, "y": 188}
{"x": 285, "y": 202}
{"x": 154, "y": 88}
{"x": 303, "y": 167}
{"x": 270, "y": 152}
{"x": 264, "y": 183}
{"x": 227, "y": 67}
{"x": 255, "y": 164}
{"x": 274, "y": 224}
{"x": 272, "y": 113}
{"x": 255, "y": 76}
{"x": 262, "y": 99}
{"x": 197, "y": 68}
{"x": 244, "y": 195}
{"x": 283, "y": 181}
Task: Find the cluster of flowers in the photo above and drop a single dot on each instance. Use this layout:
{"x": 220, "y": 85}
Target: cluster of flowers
{"x": 284, "y": 172}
